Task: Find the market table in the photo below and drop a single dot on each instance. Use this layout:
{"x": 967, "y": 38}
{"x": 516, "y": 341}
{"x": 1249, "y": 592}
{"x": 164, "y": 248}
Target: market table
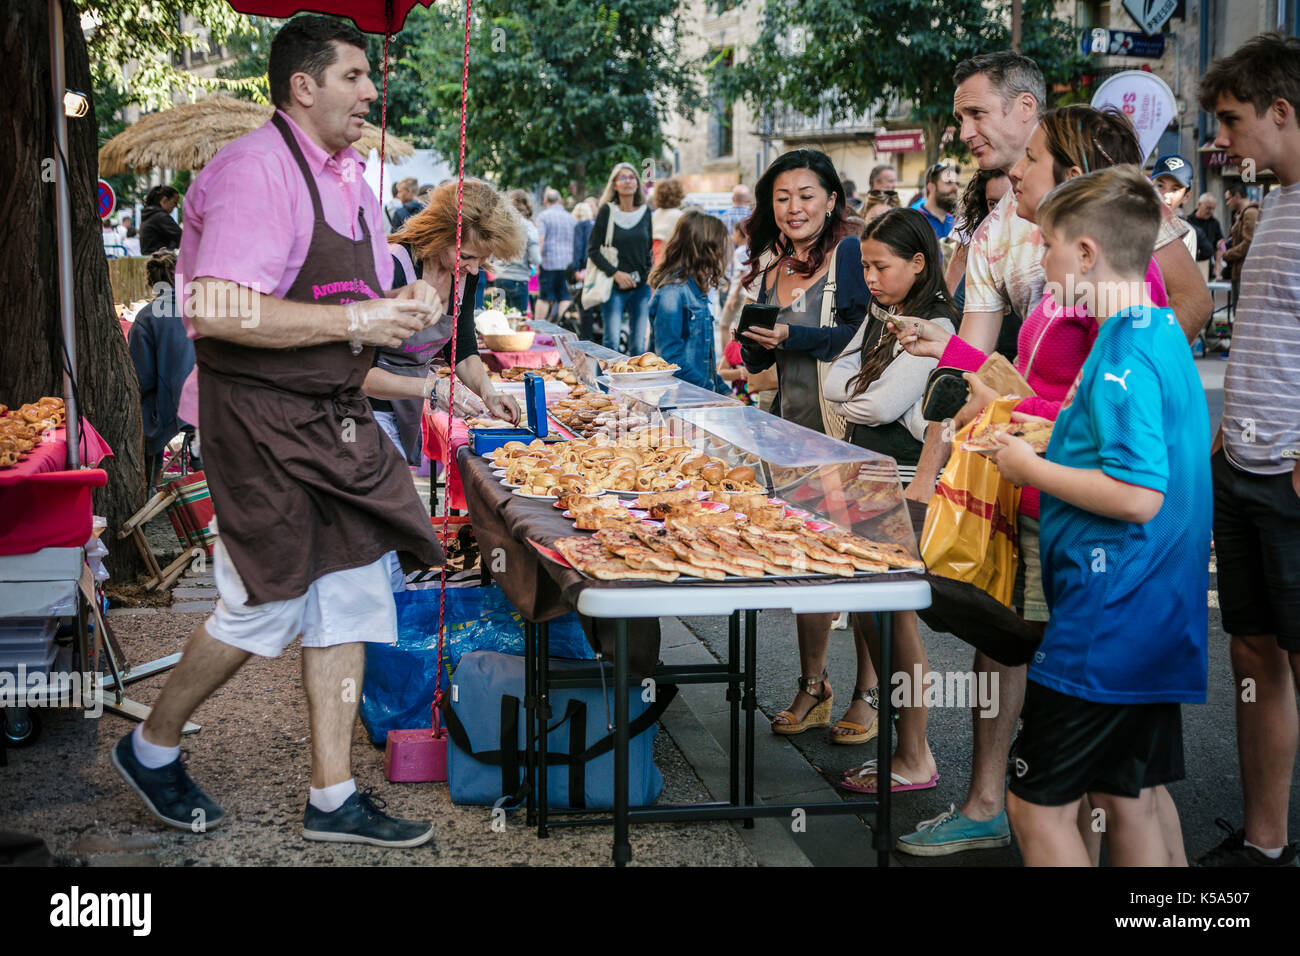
{"x": 544, "y": 352}
{"x": 542, "y": 589}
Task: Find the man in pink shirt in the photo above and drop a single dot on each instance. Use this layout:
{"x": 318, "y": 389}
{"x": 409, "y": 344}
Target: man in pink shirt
{"x": 282, "y": 263}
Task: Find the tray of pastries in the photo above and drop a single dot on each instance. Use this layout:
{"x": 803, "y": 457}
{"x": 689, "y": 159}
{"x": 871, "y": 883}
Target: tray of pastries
{"x": 642, "y": 461}
{"x": 680, "y": 536}
{"x": 647, "y": 369}
{"x": 551, "y": 373}
{"x": 590, "y": 413}
{"x": 22, "y": 428}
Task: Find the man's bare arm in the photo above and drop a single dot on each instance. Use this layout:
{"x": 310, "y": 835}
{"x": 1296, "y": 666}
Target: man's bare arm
{"x": 981, "y": 330}
{"x": 934, "y": 454}
{"x": 225, "y": 310}
{"x": 1189, "y": 296}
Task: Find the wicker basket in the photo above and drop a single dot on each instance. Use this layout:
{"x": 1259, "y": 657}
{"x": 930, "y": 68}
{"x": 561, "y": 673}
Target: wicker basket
{"x": 510, "y": 342}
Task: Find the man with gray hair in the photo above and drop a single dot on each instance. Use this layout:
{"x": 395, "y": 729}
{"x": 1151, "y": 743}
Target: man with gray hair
{"x": 742, "y": 207}
{"x": 555, "y": 226}
{"x": 1209, "y": 233}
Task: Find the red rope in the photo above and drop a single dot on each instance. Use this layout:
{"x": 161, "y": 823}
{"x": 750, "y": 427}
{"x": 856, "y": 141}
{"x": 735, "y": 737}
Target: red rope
{"x": 451, "y": 392}
{"x": 383, "y": 109}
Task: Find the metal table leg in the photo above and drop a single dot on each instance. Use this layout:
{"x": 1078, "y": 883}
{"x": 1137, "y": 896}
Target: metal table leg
{"x": 543, "y": 721}
{"x": 881, "y": 838}
{"x": 622, "y": 846}
{"x": 530, "y": 722}
{"x": 733, "y": 698}
{"x": 750, "y": 704}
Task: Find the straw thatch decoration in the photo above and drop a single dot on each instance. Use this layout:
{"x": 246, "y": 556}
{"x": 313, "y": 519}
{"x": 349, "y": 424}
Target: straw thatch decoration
{"x": 188, "y": 136}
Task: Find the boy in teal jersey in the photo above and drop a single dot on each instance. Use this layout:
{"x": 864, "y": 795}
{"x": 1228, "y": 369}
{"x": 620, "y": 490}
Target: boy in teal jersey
{"x": 1125, "y": 539}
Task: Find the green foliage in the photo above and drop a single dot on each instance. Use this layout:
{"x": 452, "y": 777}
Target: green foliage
{"x": 559, "y": 90}
{"x": 149, "y": 32}
{"x": 848, "y": 58}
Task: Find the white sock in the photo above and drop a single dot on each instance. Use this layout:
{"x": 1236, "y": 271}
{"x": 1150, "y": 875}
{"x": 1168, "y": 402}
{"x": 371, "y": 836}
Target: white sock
{"x": 150, "y": 755}
{"x": 328, "y": 799}
{"x": 1272, "y": 854}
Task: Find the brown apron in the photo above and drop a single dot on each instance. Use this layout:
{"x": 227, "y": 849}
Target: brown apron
{"x": 302, "y": 479}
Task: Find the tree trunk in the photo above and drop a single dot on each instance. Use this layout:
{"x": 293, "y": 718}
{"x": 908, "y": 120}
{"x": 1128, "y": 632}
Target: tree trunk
{"x": 30, "y": 365}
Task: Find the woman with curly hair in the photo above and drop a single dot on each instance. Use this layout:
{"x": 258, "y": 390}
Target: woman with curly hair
{"x": 426, "y": 249}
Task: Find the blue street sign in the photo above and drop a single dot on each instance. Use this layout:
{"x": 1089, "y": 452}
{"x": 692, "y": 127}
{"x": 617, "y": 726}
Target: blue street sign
{"x": 1103, "y": 42}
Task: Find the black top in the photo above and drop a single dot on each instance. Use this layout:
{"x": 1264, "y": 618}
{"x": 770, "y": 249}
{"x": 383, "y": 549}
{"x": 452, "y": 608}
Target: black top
{"x": 466, "y": 337}
{"x": 633, "y": 245}
{"x": 158, "y": 230}
{"x": 1208, "y": 235}
{"x": 851, "y": 298}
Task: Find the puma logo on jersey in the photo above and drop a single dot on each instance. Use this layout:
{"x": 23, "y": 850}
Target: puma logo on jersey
{"x": 1118, "y": 378}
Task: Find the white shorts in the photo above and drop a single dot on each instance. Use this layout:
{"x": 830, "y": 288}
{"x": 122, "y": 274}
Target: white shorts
{"x": 342, "y": 607}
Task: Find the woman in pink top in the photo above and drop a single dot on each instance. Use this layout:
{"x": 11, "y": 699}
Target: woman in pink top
{"x": 1053, "y": 341}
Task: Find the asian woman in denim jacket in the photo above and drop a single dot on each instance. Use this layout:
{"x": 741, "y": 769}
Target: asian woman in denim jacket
{"x": 694, "y": 261}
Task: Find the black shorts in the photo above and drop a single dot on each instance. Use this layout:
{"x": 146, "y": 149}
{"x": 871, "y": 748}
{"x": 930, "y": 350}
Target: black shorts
{"x": 1069, "y": 746}
{"x": 1257, "y": 550}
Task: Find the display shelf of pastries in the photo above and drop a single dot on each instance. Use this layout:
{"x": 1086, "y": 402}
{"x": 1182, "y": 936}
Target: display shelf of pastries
{"x": 670, "y": 535}
{"x": 24, "y": 427}
{"x": 854, "y": 489}
{"x": 666, "y": 396}
{"x": 646, "y": 459}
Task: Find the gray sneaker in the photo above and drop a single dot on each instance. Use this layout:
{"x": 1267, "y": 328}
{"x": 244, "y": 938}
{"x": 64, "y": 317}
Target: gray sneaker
{"x": 1234, "y": 852}
{"x": 360, "y": 820}
{"x": 168, "y": 791}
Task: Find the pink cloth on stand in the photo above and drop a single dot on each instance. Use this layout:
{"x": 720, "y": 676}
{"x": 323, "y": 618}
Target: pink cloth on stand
{"x": 535, "y": 357}
{"x": 435, "y": 427}
{"x": 1052, "y": 346}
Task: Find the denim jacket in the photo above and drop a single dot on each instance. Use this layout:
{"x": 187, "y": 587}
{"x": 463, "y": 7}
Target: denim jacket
{"x": 683, "y": 332}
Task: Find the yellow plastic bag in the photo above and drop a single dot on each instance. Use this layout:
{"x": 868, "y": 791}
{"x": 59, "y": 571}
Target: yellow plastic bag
{"x": 970, "y": 524}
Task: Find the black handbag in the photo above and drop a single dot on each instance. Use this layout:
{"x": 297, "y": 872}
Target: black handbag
{"x": 946, "y": 392}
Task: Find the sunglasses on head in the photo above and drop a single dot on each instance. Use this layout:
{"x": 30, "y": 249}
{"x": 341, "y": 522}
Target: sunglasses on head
{"x": 887, "y": 196}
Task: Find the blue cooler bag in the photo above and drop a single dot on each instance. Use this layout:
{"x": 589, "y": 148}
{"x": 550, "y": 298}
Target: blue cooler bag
{"x": 485, "y": 721}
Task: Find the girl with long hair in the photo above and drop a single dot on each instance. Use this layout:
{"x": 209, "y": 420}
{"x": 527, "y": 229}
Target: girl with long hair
{"x": 694, "y": 260}
{"x": 878, "y": 388}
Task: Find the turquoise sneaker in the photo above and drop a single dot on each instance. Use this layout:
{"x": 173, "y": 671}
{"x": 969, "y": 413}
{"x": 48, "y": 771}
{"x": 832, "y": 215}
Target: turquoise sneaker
{"x": 950, "y": 832}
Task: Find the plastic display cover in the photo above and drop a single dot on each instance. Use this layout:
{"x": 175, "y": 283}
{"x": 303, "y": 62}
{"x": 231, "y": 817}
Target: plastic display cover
{"x": 676, "y": 394}
{"x": 854, "y": 489}
{"x": 562, "y": 337}
{"x": 587, "y": 357}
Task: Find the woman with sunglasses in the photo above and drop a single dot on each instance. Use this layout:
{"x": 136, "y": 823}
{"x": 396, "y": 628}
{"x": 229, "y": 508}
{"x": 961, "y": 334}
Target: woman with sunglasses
{"x": 624, "y": 201}
{"x": 805, "y": 258}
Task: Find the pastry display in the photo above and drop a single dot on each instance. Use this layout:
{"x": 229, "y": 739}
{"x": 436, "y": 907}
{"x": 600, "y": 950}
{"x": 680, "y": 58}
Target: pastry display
{"x": 647, "y": 460}
{"x": 649, "y": 362}
{"x": 23, "y": 428}
{"x": 589, "y": 413}
{"x": 551, "y": 373}
{"x": 686, "y": 534}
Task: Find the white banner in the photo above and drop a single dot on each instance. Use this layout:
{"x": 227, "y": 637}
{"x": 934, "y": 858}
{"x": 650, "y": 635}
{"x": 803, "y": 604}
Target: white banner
{"x": 1144, "y": 98}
